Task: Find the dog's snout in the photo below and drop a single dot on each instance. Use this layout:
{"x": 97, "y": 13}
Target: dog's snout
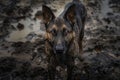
{"x": 59, "y": 47}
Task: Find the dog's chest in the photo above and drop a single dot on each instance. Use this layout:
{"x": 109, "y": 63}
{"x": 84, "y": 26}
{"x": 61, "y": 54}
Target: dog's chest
{"x": 61, "y": 59}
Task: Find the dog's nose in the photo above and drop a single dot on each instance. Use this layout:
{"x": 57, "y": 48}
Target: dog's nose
{"x": 59, "y": 48}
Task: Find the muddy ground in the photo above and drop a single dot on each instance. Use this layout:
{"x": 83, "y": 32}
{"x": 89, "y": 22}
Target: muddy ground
{"x": 22, "y": 44}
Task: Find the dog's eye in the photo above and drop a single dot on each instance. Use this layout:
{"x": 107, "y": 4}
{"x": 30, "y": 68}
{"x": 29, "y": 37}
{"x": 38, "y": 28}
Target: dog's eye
{"x": 65, "y": 32}
{"x": 53, "y": 32}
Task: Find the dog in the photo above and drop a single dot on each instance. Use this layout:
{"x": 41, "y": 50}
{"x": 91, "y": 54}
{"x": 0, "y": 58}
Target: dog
{"x": 63, "y": 36}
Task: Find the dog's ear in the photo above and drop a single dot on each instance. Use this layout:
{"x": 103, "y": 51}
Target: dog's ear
{"x": 47, "y": 14}
{"x": 70, "y": 14}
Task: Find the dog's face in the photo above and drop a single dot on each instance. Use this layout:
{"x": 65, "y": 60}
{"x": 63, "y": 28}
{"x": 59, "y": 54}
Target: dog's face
{"x": 59, "y": 31}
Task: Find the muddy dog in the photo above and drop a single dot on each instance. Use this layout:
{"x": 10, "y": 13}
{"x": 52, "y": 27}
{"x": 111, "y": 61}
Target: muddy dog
{"x": 63, "y": 36}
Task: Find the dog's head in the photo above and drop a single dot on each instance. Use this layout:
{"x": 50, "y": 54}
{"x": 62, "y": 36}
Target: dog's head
{"x": 59, "y": 31}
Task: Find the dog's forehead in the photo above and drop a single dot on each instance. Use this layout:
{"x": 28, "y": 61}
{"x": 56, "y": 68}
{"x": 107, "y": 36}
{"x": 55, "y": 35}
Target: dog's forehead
{"x": 59, "y": 22}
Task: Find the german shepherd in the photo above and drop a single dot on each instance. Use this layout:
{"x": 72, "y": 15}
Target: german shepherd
{"x": 64, "y": 36}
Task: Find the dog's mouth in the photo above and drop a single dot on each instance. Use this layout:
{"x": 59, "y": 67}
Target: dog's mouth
{"x": 59, "y": 51}
{"x": 61, "y": 56}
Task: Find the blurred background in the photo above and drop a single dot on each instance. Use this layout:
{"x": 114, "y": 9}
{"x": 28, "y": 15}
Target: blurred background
{"x": 22, "y": 43}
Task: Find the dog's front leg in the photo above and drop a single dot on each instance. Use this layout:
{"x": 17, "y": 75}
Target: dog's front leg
{"x": 70, "y": 67}
{"x": 51, "y": 72}
{"x": 70, "y": 72}
{"x": 51, "y": 69}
